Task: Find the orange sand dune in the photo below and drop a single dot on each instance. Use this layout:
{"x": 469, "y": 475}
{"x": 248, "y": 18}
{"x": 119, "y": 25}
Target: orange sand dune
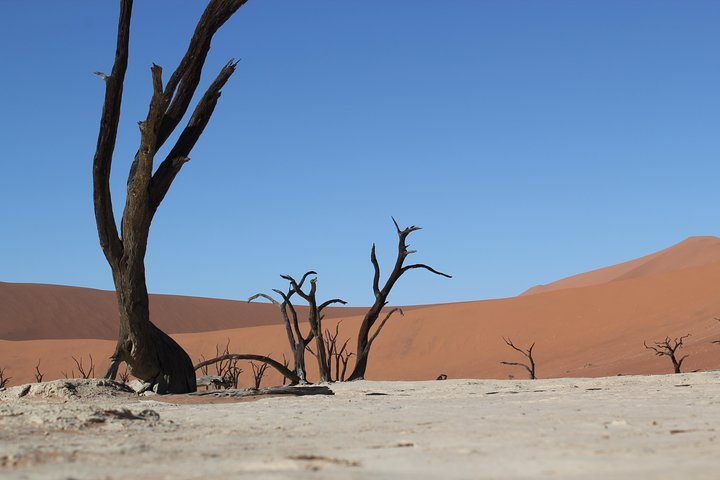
{"x": 691, "y": 252}
{"x": 593, "y": 331}
{"x": 34, "y": 311}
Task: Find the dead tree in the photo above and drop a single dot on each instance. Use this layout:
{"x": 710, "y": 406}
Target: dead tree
{"x": 226, "y": 368}
{"x": 338, "y": 355}
{"x": 365, "y": 339}
{"x": 38, "y": 375}
{"x": 150, "y": 354}
{"x": 668, "y": 348}
{"x": 530, "y": 366}
{"x": 315, "y": 317}
{"x": 3, "y": 379}
{"x": 298, "y": 341}
{"x": 258, "y": 373}
{"x": 85, "y": 372}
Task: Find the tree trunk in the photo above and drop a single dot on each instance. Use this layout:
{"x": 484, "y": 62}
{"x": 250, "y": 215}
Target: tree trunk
{"x": 299, "y": 352}
{"x": 150, "y": 354}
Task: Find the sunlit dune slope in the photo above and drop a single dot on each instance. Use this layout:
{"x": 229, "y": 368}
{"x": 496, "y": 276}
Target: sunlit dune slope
{"x": 691, "y": 252}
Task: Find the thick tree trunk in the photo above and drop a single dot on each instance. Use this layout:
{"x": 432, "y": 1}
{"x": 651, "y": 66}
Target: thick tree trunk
{"x": 150, "y": 354}
{"x": 363, "y": 343}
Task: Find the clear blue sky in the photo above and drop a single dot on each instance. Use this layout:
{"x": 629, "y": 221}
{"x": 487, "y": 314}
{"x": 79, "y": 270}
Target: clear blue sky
{"x": 531, "y": 140}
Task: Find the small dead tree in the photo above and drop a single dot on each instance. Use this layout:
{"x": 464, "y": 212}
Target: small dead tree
{"x": 365, "y": 339}
{"x": 669, "y": 348}
{"x": 3, "y": 378}
{"x": 338, "y": 355}
{"x": 298, "y": 342}
{"x": 227, "y": 371}
{"x": 124, "y": 376}
{"x": 149, "y": 353}
{"x": 530, "y": 366}
{"x": 258, "y": 373}
{"x": 38, "y": 375}
{"x": 83, "y": 371}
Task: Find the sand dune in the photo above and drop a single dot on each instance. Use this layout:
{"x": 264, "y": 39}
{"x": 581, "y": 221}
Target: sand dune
{"x": 593, "y": 331}
{"x": 691, "y": 252}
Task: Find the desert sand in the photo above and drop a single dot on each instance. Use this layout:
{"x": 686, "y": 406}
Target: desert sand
{"x": 662, "y": 426}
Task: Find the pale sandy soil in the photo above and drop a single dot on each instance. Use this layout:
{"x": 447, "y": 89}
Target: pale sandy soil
{"x": 618, "y": 427}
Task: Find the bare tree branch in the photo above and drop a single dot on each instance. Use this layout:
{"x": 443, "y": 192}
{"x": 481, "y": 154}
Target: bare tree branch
{"x": 178, "y": 156}
{"x": 259, "y": 358}
{"x": 421, "y": 265}
{"x": 382, "y": 324}
{"x": 102, "y": 161}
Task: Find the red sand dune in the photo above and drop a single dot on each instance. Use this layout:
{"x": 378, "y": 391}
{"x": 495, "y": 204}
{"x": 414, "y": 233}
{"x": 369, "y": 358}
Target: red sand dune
{"x": 597, "y": 330}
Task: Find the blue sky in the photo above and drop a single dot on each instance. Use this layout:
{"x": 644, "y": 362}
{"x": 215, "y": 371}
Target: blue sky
{"x": 531, "y": 140}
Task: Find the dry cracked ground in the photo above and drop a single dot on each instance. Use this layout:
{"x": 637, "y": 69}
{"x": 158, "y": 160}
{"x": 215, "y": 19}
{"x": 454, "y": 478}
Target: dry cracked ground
{"x": 631, "y": 427}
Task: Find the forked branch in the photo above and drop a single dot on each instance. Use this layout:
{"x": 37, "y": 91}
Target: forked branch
{"x": 530, "y": 366}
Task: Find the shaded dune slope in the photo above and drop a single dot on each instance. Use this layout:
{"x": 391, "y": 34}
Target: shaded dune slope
{"x": 35, "y": 311}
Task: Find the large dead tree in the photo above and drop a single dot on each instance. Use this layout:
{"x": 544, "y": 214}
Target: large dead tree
{"x": 364, "y": 341}
{"x": 150, "y": 354}
{"x": 530, "y": 366}
{"x": 669, "y": 348}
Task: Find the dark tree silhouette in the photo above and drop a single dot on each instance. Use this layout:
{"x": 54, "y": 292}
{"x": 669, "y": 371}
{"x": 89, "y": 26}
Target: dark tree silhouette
{"x": 338, "y": 355}
{"x": 315, "y": 318}
{"x": 3, "y": 378}
{"x": 530, "y": 366}
{"x": 298, "y": 341}
{"x": 258, "y": 373}
{"x": 150, "y": 354}
{"x": 38, "y": 374}
{"x": 669, "y": 348}
{"x": 365, "y": 339}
